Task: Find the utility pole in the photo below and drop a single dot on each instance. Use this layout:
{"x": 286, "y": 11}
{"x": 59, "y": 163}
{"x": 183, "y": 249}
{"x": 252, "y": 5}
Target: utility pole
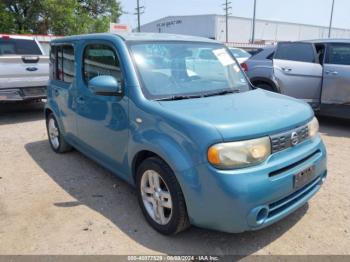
{"x": 253, "y": 30}
{"x": 331, "y": 21}
{"x": 139, "y": 11}
{"x": 227, "y": 8}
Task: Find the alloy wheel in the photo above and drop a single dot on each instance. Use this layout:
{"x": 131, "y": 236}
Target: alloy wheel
{"x": 156, "y": 197}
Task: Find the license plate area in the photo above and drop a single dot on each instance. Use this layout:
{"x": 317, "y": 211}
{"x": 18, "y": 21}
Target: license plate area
{"x": 34, "y": 91}
{"x": 304, "y": 177}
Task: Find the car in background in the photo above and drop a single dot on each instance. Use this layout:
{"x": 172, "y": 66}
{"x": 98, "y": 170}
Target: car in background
{"x": 317, "y": 72}
{"x": 259, "y": 69}
{"x": 240, "y": 54}
{"x": 24, "y": 70}
{"x": 253, "y": 51}
{"x": 212, "y": 152}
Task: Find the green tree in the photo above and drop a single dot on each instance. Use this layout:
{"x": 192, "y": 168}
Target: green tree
{"x": 59, "y": 17}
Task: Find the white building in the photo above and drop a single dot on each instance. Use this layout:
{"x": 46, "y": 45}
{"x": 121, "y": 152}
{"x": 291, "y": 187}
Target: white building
{"x": 240, "y": 29}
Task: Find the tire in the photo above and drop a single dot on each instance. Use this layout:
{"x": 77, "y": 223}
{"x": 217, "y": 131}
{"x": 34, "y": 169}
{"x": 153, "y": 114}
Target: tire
{"x": 57, "y": 142}
{"x": 174, "y": 219}
{"x": 265, "y": 86}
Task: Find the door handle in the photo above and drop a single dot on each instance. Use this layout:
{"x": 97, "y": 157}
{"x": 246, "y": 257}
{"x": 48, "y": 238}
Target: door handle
{"x": 285, "y": 69}
{"x": 332, "y": 73}
{"x": 80, "y": 100}
{"x": 56, "y": 92}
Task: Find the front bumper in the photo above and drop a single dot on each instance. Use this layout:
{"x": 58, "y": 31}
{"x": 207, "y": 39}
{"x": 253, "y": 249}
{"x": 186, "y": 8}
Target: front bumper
{"x": 22, "y": 93}
{"x": 255, "y": 197}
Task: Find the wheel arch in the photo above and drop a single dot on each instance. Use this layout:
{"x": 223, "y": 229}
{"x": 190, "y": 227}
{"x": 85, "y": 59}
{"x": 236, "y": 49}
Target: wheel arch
{"x": 139, "y": 158}
{"x": 256, "y": 80}
{"x": 47, "y": 111}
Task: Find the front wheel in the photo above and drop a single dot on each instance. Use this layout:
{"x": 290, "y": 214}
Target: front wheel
{"x": 57, "y": 142}
{"x": 160, "y": 197}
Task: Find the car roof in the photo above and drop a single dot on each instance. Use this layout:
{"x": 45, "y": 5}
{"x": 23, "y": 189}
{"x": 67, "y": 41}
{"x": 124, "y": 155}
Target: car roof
{"x": 330, "y": 40}
{"x": 17, "y": 37}
{"x": 137, "y": 37}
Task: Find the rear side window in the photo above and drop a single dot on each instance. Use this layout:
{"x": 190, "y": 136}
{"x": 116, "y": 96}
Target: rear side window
{"x": 100, "y": 59}
{"x": 338, "y": 54}
{"x": 9, "y": 46}
{"x": 301, "y": 52}
{"x": 62, "y": 63}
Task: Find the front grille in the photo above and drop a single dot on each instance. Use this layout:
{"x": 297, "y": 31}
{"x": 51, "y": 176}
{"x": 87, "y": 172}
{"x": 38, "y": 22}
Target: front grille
{"x": 284, "y": 169}
{"x": 283, "y": 141}
{"x": 280, "y": 205}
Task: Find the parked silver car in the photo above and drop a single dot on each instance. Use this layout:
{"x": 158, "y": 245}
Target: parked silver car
{"x": 24, "y": 69}
{"x": 316, "y": 71}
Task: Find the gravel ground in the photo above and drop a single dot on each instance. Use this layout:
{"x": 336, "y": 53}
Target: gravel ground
{"x": 67, "y": 204}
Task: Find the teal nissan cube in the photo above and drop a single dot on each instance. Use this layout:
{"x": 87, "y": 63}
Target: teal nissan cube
{"x": 177, "y": 118}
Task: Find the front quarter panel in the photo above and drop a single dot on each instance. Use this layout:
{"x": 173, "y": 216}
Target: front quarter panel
{"x": 180, "y": 143}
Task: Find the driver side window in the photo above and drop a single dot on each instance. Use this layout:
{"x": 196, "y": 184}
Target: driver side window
{"x": 101, "y": 59}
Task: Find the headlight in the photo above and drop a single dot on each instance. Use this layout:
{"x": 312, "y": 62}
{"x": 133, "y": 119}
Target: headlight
{"x": 239, "y": 154}
{"x": 313, "y": 127}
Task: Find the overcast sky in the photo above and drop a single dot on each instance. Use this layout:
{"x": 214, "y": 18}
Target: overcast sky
{"x": 315, "y": 12}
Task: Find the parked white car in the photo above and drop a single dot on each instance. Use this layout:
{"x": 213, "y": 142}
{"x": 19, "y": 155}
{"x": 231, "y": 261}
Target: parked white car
{"x": 24, "y": 69}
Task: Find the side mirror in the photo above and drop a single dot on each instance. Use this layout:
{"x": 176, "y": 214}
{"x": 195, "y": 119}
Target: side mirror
{"x": 105, "y": 85}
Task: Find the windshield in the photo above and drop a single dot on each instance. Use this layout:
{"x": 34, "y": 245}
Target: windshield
{"x": 179, "y": 69}
{"x": 18, "y": 47}
{"x": 239, "y": 53}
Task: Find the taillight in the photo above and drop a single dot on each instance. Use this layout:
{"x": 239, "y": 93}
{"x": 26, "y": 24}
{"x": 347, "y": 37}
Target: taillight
{"x": 5, "y": 37}
{"x": 244, "y": 67}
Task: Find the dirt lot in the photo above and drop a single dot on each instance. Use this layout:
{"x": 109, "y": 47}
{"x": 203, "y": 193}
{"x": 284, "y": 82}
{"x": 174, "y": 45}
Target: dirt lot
{"x": 67, "y": 204}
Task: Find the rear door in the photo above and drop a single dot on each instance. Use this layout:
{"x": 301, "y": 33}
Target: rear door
{"x": 63, "y": 85}
{"x": 336, "y": 82}
{"x": 298, "y": 71}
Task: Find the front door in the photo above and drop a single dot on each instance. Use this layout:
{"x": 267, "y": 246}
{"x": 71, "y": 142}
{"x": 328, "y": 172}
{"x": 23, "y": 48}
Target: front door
{"x": 336, "y": 81}
{"x": 102, "y": 120}
{"x": 298, "y": 71}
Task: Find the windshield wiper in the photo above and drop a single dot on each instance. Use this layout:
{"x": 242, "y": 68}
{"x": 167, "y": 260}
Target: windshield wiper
{"x": 178, "y": 97}
{"x": 222, "y": 92}
{"x": 182, "y": 97}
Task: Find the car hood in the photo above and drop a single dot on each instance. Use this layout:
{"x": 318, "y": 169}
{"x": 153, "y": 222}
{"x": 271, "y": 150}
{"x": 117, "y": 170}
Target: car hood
{"x": 245, "y": 115}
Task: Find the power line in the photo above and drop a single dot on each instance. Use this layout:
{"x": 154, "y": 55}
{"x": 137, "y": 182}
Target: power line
{"x": 254, "y": 18}
{"x": 331, "y": 21}
{"x": 139, "y": 11}
{"x": 227, "y": 8}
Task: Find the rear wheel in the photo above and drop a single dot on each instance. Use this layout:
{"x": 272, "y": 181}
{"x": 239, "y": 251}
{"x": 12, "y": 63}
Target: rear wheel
{"x": 57, "y": 142}
{"x": 265, "y": 86}
{"x": 160, "y": 197}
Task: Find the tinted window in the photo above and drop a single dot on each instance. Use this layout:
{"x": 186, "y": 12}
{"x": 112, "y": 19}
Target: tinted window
{"x": 302, "y": 52}
{"x": 53, "y": 62}
{"x": 266, "y": 53}
{"x": 68, "y": 63}
{"x": 100, "y": 59}
{"x": 18, "y": 47}
{"x": 339, "y": 54}
{"x": 239, "y": 53}
{"x": 62, "y": 63}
